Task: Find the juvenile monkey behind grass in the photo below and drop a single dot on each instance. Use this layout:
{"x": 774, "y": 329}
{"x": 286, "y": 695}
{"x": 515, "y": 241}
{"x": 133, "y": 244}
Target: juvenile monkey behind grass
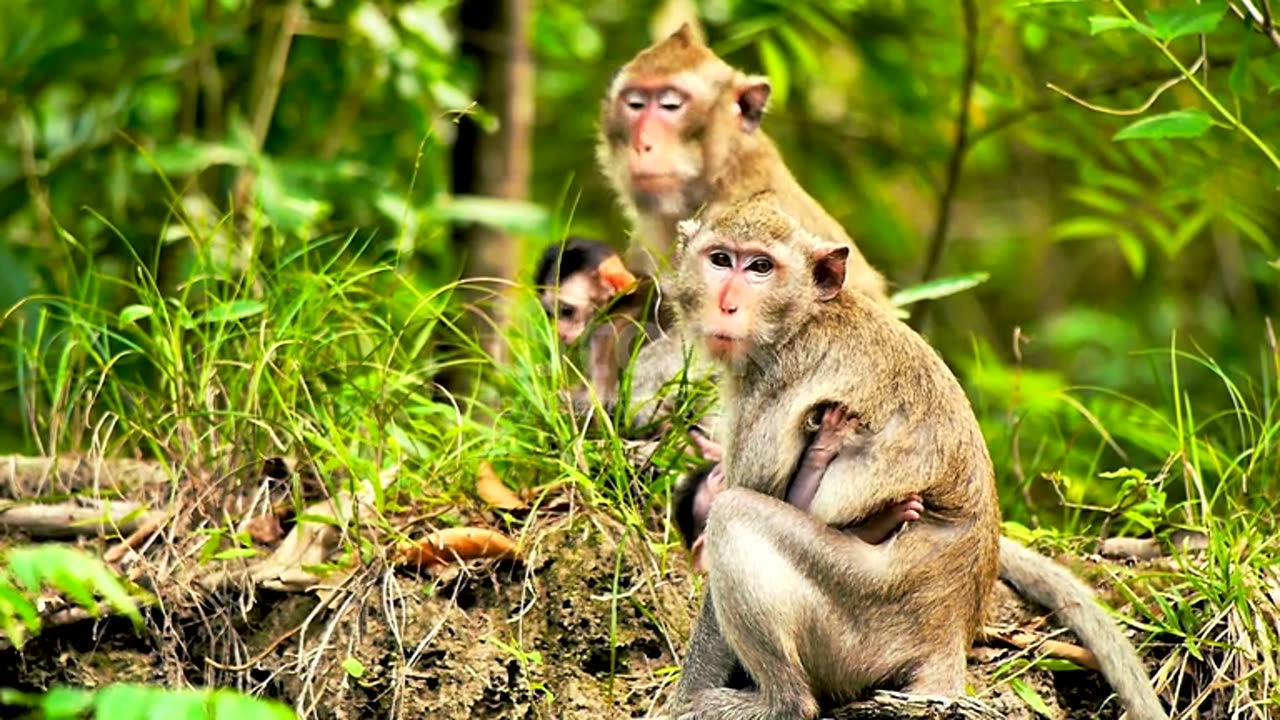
{"x": 815, "y": 614}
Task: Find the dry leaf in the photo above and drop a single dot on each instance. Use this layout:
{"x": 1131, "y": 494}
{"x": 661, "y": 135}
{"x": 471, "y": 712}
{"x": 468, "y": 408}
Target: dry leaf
{"x": 264, "y": 529}
{"x": 459, "y": 543}
{"x": 491, "y": 489}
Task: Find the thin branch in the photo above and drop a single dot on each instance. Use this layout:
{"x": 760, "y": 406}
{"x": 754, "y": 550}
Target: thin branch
{"x": 1262, "y": 19}
{"x": 1151, "y": 100}
{"x": 958, "y": 151}
{"x": 1209, "y": 97}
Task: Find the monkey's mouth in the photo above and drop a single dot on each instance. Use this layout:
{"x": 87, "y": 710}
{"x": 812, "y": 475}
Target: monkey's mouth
{"x": 721, "y": 344}
{"x": 655, "y": 182}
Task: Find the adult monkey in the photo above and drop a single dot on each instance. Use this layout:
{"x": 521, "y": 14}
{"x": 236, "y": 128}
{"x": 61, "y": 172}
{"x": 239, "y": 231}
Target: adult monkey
{"x": 680, "y": 132}
{"x": 816, "y": 614}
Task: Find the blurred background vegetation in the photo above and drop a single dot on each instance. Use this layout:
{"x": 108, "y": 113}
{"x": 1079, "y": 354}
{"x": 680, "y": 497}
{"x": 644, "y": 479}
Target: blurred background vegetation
{"x": 134, "y": 132}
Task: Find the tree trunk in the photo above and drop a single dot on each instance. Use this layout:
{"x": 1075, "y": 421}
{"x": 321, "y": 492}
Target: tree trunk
{"x": 495, "y": 36}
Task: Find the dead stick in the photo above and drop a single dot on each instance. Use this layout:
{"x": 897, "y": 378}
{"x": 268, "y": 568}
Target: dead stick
{"x": 1053, "y": 648}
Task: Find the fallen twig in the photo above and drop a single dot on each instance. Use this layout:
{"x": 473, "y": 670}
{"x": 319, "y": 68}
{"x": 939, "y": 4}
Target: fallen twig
{"x": 75, "y": 518}
{"x": 1024, "y": 640}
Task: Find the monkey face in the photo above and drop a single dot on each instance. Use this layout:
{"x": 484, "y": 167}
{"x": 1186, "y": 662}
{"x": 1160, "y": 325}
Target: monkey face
{"x": 749, "y": 277}
{"x": 651, "y": 127}
{"x": 578, "y": 280}
{"x": 569, "y": 310}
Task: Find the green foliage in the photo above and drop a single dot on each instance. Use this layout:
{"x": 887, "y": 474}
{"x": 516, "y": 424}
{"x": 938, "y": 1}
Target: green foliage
{"x": 26, "y": 572}
{"x": 125, "y": 701}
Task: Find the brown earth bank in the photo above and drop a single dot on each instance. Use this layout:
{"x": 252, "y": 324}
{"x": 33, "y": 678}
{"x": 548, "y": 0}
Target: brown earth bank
{"x": 588, "y": 622}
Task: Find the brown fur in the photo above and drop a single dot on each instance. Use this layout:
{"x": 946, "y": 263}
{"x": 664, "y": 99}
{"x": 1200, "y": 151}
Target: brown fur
{"x": 815, "y": 614}
{"x": 723, "y": 159}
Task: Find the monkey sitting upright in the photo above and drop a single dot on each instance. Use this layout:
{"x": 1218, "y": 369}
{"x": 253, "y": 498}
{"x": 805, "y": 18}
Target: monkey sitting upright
{"x": 816, "y": 615}
{"x": 681, "y": 132}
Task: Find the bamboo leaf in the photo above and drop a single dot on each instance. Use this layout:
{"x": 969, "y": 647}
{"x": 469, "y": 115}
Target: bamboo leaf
{"x": 1177, "y": 124}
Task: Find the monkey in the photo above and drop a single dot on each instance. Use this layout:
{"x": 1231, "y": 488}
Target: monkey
{"x": 680, "y": 133}
{"x": 585, "y": 286}
{"x": 693, "y": 493}
{"x": 576, "y": 280}
{"x": 790, "y": 596}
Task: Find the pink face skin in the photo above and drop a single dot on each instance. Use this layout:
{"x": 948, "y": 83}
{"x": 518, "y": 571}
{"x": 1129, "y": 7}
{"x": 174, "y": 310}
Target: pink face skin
{"x": 734, "y": 273}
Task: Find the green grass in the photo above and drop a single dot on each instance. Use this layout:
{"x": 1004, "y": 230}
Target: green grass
{"x": 318, "y": 352}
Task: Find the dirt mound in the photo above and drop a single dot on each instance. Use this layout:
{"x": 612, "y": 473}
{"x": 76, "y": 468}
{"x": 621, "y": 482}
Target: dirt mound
{"x": 588, "y": 624}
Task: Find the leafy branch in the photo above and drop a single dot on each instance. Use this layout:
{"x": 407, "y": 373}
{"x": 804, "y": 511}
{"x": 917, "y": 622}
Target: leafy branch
{"x": 1164, "y": 27}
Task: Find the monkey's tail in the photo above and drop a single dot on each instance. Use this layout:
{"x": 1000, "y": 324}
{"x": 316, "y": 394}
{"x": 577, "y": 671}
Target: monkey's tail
{"x": 1041, "y": 579}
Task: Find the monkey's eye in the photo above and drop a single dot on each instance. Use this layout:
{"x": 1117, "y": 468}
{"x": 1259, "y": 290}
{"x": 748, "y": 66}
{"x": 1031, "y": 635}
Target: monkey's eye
{"x": 671, "y": 100}
{"x": 761, "y": 266}
{"x": 635, "y": 99}
{"x": 721, "y": 259}
{"x": 567, "y": 312}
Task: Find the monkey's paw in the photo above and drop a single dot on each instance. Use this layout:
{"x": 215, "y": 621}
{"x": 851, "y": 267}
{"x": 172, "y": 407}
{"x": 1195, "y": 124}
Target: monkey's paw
{"x": 834, "y": 425}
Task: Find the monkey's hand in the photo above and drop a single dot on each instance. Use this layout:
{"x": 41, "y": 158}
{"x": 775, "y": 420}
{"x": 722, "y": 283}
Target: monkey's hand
{"x": 877, "y": 528}
{"x": 832, "y": 428}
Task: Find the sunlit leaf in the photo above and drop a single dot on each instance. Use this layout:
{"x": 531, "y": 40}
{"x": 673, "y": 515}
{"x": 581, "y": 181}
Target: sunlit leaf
{"x": 66, "y": 702}
{"x": 184, "y": 157}
{"x": 227, "y": 312}
{"x": 1186, "y": 230}
{"x": 1103, "y": 23}
{"x": 1030, "y": 696}
{"x": 510, "y": 215}
{"x": 236, "y": 554}
{"x": 354, "y": 667}
{"x": 941, "y": 287}
{"x": 1177, "y": 124}
{"x": 1190, "y": 18}
{"x": 133, "y": 313}
{"x": 230, "y": 704}
{"x": 1135, "y": 253}
{"x": 429, "y": 24}
{"x": 801, "y": 50}
{"x": 1082, "y": 227}
{"x": 369, "y": 21}
{"x": 776, "y": 67}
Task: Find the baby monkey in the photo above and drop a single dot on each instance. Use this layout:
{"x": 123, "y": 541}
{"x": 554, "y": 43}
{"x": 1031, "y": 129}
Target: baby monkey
{"x": 693, "y": 494}
{"x": 577, "y": 279}
{"x": 585, "y": 288}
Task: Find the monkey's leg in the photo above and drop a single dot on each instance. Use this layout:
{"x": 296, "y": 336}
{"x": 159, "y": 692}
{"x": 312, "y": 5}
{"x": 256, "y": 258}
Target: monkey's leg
{"x": 781, "y": 580}
{"x": 709, "y": 661}
{"x": 877, "y": 528}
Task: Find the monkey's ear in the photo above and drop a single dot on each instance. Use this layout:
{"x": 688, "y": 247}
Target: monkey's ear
{"x": 753, "y": 97}
{"x": 685, "y": 33}
{"x": 615, "y": 274}
{"x": 828, "y": 271}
